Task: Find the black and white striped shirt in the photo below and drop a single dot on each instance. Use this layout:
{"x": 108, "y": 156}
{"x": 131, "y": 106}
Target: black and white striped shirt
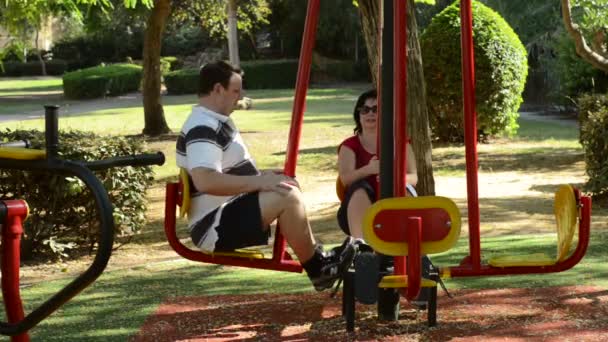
{"x": 211, "y": 140}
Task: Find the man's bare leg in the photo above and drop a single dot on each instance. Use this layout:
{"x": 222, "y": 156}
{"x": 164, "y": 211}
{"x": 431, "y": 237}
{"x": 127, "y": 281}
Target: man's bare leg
{"x": 291, "y": 213}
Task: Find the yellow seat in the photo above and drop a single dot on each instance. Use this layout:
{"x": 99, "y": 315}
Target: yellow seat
{"x": 20, "y": 153}
{"x": 566, "y": 216}
{"x": 241, "y": 253}
{"x": 400, "y": 281}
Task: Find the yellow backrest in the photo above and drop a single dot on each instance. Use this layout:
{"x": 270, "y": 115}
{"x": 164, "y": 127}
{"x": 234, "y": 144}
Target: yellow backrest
{"x": 566, "y": 216}
{"x": 184, "y": 180}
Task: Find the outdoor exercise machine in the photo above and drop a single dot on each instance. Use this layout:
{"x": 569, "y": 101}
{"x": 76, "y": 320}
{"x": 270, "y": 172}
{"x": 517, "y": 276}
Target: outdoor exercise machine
{"x": 17, "y": 156}
{"x": 404, "y": 228}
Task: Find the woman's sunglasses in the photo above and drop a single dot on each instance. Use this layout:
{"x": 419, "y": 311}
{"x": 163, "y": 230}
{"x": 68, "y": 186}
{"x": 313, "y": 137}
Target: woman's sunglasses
{"x": 366, "y": 109}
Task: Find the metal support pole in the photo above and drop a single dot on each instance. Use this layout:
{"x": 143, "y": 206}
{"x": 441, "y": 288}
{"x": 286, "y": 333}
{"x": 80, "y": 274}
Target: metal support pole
{"x": 51, "y": 132}
{"x": 470, "y": 130}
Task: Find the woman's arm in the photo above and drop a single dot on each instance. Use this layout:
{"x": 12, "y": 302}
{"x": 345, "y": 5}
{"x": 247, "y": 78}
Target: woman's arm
{"x": 412, "y": 171}
{"x": 347, "y": 163}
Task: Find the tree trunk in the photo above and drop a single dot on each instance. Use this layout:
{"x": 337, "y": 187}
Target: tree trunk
{"x": 418, "y": 122}
{"x": 40, "y": 59}
{"x": 155, "y": 123}
{"x": 595, "y": 58}
{"x": 233, "y": 41}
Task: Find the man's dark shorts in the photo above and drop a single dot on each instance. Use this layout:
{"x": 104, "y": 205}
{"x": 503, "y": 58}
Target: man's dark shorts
{"x": 240, "y": 224}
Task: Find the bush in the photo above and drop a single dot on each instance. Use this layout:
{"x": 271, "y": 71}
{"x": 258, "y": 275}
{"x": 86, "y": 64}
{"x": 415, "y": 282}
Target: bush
{"x": 501, "y": 70}
{"x": 53, "y": 67}
{"x": 263, "y": 74}
{"x": 62, "y": 215}
{"x": 183, "y": 81}
{"x": 113, "y": 80}
{"x": 112, "y": 46}
{"x": 270, "y": 74}
{"x": 169, "y": 63}
{"x": 593, "y": 116}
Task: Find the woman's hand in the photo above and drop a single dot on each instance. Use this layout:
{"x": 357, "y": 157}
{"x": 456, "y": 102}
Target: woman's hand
{"x": 373, "y": 167}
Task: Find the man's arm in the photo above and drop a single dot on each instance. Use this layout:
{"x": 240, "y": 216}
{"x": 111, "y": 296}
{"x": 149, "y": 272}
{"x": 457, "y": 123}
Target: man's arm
{"x": 220, "y": 184}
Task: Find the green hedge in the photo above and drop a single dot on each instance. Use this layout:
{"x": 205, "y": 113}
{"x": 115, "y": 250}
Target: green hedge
{"x": 270, "y": 74}
{"x": 341, "y": 71}
{"x": 264, "y": 74}
{"x": 501, "y": 68}
{"x": 54, "y": 67}
{"x": 183, "y": 81}
{"x": 112, "y": 80}
{"x": 62, "y": 211}
{"x": 593, "y": 116}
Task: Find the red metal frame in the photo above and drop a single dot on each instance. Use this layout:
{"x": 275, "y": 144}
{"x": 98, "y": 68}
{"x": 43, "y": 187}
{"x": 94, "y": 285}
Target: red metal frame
{"x": 471, "y": 265}
{"x": 299, "y": 106}
{"x": 283, "y": 264}
{"x": 470, "y": 130}
{"x": 12, "y": 230}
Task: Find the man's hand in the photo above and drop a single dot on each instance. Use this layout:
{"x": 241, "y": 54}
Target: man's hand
{"x": 277, "y": 183}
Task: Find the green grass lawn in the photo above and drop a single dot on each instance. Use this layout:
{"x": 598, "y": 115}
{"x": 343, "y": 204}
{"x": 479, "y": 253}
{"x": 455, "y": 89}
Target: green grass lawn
{"x": 114, "y": 307}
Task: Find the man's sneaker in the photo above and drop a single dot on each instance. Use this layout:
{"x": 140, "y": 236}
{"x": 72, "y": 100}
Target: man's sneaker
{"x": 335, "y": 264}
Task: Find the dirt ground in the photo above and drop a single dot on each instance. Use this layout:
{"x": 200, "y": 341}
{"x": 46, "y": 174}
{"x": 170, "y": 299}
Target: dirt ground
{"x": 575, "y": 313}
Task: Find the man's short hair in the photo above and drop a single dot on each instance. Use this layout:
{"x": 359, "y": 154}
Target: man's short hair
{"x": 216, "y": 72}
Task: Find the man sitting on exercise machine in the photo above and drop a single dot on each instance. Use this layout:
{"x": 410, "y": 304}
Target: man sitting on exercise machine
{"x": 232, "y": 202}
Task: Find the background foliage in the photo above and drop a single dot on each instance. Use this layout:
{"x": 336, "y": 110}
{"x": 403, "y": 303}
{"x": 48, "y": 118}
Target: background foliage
{"x": 63, "y": 217}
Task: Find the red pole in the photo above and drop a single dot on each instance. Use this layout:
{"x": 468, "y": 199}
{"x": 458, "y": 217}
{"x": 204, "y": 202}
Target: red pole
{"x": 470, "y": 129}
{"x": 299, "y": 104}
{"x": 400, "y": 95}
{"x": 11, "y": 257}
{"x": 399, "y": 106}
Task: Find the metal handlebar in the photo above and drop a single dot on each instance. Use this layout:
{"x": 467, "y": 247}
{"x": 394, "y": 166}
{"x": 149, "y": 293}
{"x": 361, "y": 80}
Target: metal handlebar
{"x": 84, "y": 171}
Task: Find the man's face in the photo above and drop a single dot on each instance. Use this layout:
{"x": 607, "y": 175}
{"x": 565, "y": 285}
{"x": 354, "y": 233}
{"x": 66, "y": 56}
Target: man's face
{"x": 230, "y": 96}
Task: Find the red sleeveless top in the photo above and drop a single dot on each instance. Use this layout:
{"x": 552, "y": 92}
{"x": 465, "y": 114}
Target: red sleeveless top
{"x": 362, "y": 157}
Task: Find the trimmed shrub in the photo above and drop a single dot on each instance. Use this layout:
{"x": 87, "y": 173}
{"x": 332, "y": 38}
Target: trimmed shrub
{"x": 500, "y": 71}
{"x": 112, "y": 80}
{"x": 263, "y": 74}
{"x": 593, "y": 116}
{"x": 270, "y": 74}
{"x": 170, "y": 63}
{"x": 183, "y": 81}
{"x": 63, "y": 215}
{"x": 53, "y": 67}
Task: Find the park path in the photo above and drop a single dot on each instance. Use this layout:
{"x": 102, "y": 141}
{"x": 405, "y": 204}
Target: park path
{"x": 74, "y": 108}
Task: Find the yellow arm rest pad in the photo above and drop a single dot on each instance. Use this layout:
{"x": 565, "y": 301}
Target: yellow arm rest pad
{"x": 400, "y": 281}
{"x": 20, "y": 153}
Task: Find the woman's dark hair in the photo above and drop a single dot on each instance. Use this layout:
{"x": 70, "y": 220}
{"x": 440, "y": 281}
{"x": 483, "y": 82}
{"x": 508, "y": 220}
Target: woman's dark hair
{"x": 212, "y": 73}
{"x": 370, "y": 94}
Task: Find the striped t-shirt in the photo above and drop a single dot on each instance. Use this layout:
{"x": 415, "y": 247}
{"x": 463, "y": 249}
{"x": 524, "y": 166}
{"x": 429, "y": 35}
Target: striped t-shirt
{"x": 211, "y": 140}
